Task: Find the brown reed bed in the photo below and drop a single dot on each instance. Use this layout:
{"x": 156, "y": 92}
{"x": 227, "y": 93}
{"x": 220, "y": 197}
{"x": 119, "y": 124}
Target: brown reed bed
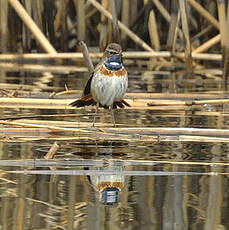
{"x": 25, "y": 128}
{"x": 184, "y": 29}
{"x": 163, "y": 32}
{"x": 31, "y": 130}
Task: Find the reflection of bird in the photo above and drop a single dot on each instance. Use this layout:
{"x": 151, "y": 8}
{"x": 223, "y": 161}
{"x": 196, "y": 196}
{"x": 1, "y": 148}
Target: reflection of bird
{"x": 107, "y": 179}
{"x": 107, "y": 84}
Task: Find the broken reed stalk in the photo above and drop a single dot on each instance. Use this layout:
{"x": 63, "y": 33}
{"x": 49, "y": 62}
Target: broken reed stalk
{"x": 86, "y": 56}
{"x": 40, "y": 68}
{"x": 172, "y": 34}
{"x": 26, "y": 35}
{"x": 185, "y": 28}
{"x": 48, "y": 14}
{"x": 3, "y": 25}
{"x": 32, "y": 26}
{"x": 222, "y": 22}
{"x": 131, "y": 133}
{"x": 203, "y": 32}
{"x": 171, "y": 131}
{"x": 133, "y": 96}
{"x": 58, "y": 19}
{"x": 103, "y": 28}
{"x": 87, "y": 133}
{"x": 52, "y": 151}
{"x": 50, "y": 127}
{"x": 136, "y": 104}
{"x": 125, "y": 20}
{"x": 204, "y": 13}
{"x": 226, "y": 58}
{"x": 130, "y": 54}
{"x": 31, "y": 134}
{"x": 35, "y": 103}
{"x": 59, "y": 123}
{"x": 211, "y": 42}
{"x": 189, "y": 103}
{"x": 115, "y": 31}
{"x": 11, "y": 57}
{"x": 136, "y": 100}
{"x": 22, "y": 117}
{"x": 153, "y": 32}
{"x": 52, "y": 103}
{"x": 173, "y": 96}
{"x": 224, "y": 38}
{"x": 81, "y": 23}
{"x": 39, "y": 14}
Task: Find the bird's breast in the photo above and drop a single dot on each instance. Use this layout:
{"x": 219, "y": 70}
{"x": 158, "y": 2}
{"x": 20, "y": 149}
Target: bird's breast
{"x": 108, "y": 86}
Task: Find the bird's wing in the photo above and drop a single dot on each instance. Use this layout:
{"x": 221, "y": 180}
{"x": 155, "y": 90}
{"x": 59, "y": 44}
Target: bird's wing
{"x": 87, "y": 88}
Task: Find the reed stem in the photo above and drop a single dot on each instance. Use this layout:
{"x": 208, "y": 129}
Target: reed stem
{"x": 32, "y": 26}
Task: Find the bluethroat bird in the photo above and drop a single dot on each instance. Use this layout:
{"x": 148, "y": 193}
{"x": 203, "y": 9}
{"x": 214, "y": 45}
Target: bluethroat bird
{"x": 107, "y": 84}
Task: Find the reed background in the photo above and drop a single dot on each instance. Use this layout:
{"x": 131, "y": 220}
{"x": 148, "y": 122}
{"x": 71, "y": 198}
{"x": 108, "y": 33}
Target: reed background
{"x": 175, "y": 48}
{"x": 189, "y": 26}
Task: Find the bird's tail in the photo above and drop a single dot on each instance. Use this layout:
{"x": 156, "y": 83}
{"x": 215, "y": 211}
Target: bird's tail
{"x": 83, "y": 101}
{"x": 88, "y": 100}
{"x": 121, "y": 104}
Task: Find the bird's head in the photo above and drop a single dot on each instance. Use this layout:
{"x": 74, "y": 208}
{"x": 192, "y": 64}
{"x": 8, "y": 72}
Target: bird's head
{"x": 113, "y": 56}
{"x": 113, "y": 49}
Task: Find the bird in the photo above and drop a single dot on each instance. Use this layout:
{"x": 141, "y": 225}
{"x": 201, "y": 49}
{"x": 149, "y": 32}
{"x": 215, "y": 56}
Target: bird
{"x": 107, "y": 84}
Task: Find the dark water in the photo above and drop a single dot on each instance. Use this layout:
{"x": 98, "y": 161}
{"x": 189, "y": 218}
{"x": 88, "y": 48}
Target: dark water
{"x": 104, "y": 184}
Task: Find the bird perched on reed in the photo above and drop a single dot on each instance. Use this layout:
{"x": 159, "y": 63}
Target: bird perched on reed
{"x": 107, "y": 84}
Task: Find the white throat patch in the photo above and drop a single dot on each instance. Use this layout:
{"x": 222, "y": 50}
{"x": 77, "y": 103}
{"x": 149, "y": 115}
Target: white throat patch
{"x": 114, "y": 63}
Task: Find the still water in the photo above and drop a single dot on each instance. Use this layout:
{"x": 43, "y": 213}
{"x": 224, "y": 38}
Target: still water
{"x": 115, "y": 184}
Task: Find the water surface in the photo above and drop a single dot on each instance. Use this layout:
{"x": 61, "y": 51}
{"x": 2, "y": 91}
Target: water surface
{"x": 115, "y": 184}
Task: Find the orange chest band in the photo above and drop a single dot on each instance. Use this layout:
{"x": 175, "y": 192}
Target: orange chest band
{"x": 110, "y": 73}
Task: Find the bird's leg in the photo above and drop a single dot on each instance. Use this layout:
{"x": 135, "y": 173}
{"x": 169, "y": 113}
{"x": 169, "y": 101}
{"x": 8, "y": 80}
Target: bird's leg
{"x": 96, "y": 112}
{"x": 112, "y": 116}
